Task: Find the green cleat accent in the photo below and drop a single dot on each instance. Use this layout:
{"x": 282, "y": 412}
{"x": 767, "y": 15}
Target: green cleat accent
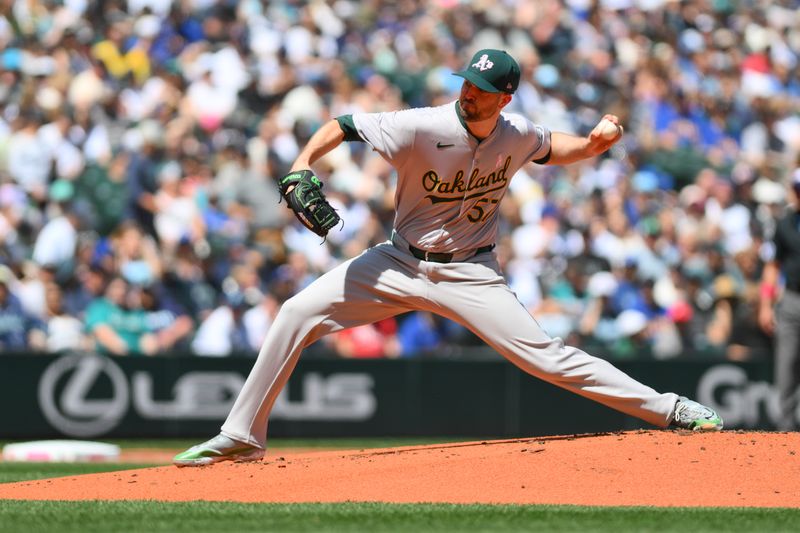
{"x": 220, "y": 448}
{"x": 689, "y": 414}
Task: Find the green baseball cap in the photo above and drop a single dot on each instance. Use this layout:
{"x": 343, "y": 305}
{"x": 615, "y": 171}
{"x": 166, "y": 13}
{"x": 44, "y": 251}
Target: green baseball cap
{"x": 493, "y": 71}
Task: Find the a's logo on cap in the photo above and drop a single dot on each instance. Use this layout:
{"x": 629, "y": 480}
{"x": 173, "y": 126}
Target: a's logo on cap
{"x": 483, "y": 63}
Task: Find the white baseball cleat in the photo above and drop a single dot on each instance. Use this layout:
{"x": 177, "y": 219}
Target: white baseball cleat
{"x": 220, "y": 448}
{"x": 689, "y": 414}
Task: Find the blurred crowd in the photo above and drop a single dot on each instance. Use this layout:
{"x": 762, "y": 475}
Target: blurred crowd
{"x": 140, "y": 142}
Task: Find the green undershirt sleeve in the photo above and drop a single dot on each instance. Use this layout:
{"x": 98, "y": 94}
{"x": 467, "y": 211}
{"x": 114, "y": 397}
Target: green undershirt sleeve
{"x": 349, "y": 128}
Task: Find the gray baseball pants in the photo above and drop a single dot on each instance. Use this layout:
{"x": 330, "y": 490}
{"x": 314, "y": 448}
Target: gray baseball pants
{"x": 387, "y": 280}
{"x": 787, "y": 358}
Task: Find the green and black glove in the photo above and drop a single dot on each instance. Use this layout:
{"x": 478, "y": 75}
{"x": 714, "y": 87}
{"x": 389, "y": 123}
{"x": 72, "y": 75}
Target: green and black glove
{"x": 303, "y": 193}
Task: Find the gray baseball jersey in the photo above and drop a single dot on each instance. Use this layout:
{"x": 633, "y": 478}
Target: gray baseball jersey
{"x": 448, "y": 192}
{"x": 449, "y": 184}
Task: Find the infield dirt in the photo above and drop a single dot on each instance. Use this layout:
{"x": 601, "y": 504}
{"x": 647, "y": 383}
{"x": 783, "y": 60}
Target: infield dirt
{"x": 659, "y": 468}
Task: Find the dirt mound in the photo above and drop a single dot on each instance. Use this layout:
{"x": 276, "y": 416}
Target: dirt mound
{"x": 660, "y": 468}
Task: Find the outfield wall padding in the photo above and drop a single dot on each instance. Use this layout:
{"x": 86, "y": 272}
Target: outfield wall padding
{"x": 84, "y": 395}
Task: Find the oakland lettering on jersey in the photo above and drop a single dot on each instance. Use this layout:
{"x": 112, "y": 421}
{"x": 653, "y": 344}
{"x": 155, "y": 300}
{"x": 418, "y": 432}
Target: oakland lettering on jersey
{"x": 431, "y": 182}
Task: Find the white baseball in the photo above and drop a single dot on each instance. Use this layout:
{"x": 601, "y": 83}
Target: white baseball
{"x": 608, "y": 130}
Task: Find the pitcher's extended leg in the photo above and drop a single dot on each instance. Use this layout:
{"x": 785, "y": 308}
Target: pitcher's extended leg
{"x": 493, "y": 312}
{"x": 368, "y": 288}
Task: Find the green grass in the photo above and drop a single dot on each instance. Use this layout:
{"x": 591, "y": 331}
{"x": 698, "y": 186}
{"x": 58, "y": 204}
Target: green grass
{"x": 197, "y": 517}
{"x": 10, "y": 472}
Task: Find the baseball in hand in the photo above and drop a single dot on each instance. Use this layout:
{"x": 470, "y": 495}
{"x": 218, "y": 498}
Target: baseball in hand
{"x": 608, "y": 130}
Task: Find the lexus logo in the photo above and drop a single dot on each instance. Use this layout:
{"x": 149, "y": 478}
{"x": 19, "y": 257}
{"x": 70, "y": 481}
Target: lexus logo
{"x": 71, "y": 411}
{"x": 85, "y": 395}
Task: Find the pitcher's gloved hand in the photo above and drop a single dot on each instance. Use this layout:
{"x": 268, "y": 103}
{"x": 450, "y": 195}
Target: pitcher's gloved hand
{"x": 303, "y": 193}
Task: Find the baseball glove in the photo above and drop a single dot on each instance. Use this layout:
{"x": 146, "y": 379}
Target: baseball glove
{"x": 303, "y": 193}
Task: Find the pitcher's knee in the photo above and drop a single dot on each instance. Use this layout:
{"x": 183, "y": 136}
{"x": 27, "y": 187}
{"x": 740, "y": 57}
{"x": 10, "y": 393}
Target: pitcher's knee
{"x": 548, "y": 366}
{"x": 293, "y": 313}
{"x": 549, "y": 358}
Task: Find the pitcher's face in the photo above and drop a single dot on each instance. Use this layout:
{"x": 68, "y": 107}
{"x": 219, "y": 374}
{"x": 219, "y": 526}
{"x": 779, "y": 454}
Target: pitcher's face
{"x": 477, "y": 105}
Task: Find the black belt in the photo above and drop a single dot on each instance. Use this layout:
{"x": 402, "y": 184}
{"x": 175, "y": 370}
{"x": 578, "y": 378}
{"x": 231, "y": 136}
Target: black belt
{"x": 437, "y": 257}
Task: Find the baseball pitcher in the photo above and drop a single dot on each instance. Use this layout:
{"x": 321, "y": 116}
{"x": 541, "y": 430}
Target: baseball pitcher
{"x": 454, "y": 163}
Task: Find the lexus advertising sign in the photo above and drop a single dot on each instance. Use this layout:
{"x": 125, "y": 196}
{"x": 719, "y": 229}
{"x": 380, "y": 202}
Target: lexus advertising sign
{"x": 84, "y": 395}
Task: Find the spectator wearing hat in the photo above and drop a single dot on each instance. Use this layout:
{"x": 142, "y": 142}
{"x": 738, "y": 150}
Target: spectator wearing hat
{"x": 783, "y": 320}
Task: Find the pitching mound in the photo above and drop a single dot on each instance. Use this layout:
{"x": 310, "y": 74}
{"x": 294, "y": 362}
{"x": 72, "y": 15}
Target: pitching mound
{"x": 660, "y": 468}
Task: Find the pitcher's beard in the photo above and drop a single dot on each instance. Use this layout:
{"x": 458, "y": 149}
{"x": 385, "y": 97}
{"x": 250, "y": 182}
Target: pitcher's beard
{"x": 471, "y": 113}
